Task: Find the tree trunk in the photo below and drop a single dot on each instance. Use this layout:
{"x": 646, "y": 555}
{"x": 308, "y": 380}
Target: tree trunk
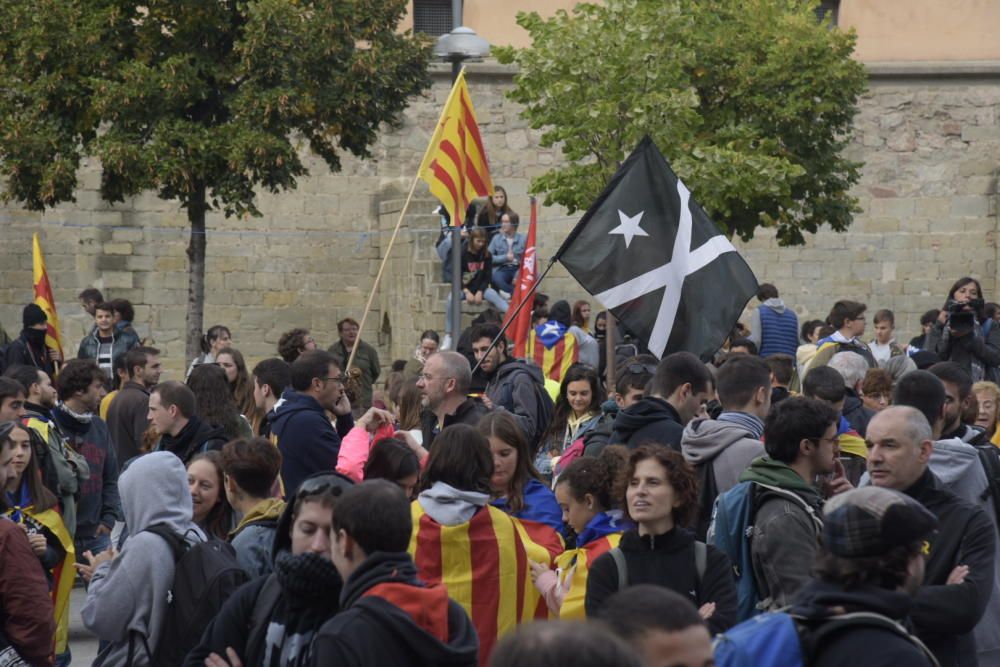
{"x": 196, "y": 271}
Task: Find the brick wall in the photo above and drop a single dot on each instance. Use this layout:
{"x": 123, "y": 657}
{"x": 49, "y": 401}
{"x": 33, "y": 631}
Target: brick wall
{"x": 929, "y": 136}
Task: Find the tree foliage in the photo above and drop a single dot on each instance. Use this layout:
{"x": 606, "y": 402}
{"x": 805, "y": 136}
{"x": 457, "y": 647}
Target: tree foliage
{"x": 752, "y": 101}
{"x": 202, "y": 101}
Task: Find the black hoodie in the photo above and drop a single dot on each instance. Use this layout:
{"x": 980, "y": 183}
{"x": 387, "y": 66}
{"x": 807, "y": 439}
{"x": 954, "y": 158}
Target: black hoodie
{"x": 389, "y": 617}
{"x": 649, "y": 420}
{"x": 196, "y": 437}
{"x": 871, "y": 646}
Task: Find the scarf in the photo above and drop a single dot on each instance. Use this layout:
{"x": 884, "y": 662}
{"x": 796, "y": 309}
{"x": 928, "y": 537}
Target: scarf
{"x": 750, "y": 423}
{"x": 310, "y": 595}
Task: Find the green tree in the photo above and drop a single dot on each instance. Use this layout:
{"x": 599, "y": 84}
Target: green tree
{"x": 202, "y": 101}
{"x": 752, "y": 101}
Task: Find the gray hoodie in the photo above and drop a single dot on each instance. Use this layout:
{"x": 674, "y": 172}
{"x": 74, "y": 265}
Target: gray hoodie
{"x": 129, "y": 594}
{"x": 729, "y": 448}
{"x": 777, "y": 305}
{"x": 450, "y": 506}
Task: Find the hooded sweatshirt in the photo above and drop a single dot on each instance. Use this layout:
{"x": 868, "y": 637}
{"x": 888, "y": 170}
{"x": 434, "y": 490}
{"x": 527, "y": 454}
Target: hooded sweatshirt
{"x": 871, "y": 646}
{"x": 306, "y": 439}
{"x": 650, "y": 420}
{"x": 450, "y": 506}
{"x": 196, "y": 437}
{"x": 129, "y": 594}
{"x": 726, "y": 446}
{"x": 391, "y": 618}
{"x": 785, "y": 533}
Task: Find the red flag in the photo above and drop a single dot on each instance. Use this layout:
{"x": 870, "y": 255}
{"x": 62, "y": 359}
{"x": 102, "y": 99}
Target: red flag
{"x": 526, "y": 277}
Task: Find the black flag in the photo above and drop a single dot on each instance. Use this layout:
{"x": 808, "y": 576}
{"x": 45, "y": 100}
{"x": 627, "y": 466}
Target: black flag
{"x": 649, "y": 252}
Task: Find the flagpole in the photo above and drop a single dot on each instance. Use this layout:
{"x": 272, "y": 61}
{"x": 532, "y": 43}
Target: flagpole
{"x": 611, "y": 325}
{"x": 381, "y": 268}
{"x": 510, "y": 320}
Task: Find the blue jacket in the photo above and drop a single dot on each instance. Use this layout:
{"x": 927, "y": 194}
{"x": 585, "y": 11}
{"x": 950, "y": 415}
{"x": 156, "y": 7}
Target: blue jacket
{"x": 498, "y": 248}
{"x": 777, "y": 330}
{"x": 539, "y": 505}
{"x": 305, "y": 437}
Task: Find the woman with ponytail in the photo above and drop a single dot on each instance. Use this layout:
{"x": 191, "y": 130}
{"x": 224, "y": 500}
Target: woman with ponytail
{"x": 587, "y": 492}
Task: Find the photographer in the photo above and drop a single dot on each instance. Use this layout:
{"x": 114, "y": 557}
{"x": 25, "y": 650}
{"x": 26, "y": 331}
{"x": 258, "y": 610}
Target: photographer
{"x": 958, "y": 335}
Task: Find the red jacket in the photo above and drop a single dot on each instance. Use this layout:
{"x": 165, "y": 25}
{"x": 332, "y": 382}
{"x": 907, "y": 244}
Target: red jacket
{"x": 25, "y": 603}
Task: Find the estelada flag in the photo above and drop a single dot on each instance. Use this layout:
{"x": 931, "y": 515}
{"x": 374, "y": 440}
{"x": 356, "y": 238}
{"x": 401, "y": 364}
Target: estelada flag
{"x": 683, "y": 286}
{"x": 455, "y": 165}
{"x": 43, "y": 297}
{"x": 526, "y": 276}
{"x": 553, "y": 349}
{"x": 484, "y": 565}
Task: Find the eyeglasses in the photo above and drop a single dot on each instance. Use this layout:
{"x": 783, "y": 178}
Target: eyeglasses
{"x": 427, "y": 378}
{"x": 340, "y": 379}
{"x": 835, "y": 440}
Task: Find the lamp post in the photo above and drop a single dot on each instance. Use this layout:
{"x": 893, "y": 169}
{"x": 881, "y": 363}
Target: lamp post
{"x": 458, "y": 46}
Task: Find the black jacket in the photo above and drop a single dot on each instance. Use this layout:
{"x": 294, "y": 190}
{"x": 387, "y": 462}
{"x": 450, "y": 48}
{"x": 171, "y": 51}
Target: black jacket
{"x": 22, "y": 353}
{"x": 515, "y": 386}
{"x": 649, "y": 420}
{"x": 196, "y": 437}
{"x": 855, "y": 412}
{"x": 944, "y": 616}
{"x": 668, "y": 560}
{"x": 469, "y": 412}
{"x": 870, "y": 646}
{"x": 389, "y": 617}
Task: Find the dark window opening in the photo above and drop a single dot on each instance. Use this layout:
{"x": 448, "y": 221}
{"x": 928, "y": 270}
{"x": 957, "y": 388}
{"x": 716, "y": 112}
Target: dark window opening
{"x": 432, "y": 17}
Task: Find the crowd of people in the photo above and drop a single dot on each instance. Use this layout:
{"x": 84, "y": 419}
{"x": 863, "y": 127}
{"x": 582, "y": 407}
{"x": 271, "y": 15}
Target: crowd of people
{"x": 806, "y": 494}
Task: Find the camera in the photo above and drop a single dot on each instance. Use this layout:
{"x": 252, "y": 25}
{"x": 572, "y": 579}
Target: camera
{"x": 962, "y": 315}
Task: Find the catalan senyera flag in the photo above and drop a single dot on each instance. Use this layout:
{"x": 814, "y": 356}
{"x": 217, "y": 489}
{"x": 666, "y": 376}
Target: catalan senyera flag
{"x": 484, "y": 565}
{"x": 575, "y": 564}
{"x": 43, "y": 297}
{"x": 455, "y": 165}
{"x": 526, "y": 277}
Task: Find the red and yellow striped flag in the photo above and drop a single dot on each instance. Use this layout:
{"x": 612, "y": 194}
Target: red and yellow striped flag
{"x": 43, "y": 297}
{"x": 484, "y": 565}
{"x": 455, "y": 165}
{"x": 576, "y": 563}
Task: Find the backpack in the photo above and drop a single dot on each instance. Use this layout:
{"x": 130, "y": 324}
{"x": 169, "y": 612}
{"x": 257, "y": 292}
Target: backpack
{"x": 544, "y": 407}
{"x": 205, "y": 575}
{"x": 708, "y": 491}
{"x": 731, "y": 531}
{"x": 782, "y": 639}
{"x": 989, "y": 457}
{"x": 700, "y": 564}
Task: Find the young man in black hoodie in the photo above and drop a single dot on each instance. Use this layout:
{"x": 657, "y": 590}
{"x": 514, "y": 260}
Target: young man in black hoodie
{"x": 512, "y": 384}
{"x": 172, "y": 412}
{"x": 29, "y": 348}
{"x": 388, "y": 616}
{"x": 960, "y": 564}
{"x": 681, "y": 385}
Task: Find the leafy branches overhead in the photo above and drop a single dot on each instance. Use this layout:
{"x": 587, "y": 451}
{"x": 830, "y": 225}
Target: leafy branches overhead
{"x": 182, "y": 96}
{"x": 751, "y": 100}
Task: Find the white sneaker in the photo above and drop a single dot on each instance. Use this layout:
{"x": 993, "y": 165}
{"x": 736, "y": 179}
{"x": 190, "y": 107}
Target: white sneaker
{"x": 446, "y": 343}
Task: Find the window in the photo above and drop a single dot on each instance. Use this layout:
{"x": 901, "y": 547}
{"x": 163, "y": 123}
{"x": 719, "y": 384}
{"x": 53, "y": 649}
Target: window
{"x": 829, "y": 8}
{"x": 432, "y": 17}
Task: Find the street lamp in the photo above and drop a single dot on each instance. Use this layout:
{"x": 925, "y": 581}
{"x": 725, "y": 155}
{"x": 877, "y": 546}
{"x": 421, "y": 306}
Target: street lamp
{"x": 458, "y": 46}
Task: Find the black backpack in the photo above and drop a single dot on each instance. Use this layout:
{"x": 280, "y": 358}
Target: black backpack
{"x": 205, "y": 575}
{"x": 708, "y": 491}
{"x": 544, "y": 407}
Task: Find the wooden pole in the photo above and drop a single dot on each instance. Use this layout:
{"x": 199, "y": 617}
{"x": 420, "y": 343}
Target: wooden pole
{"x": 609, "y": 341}
{"x": 381, "y": 269}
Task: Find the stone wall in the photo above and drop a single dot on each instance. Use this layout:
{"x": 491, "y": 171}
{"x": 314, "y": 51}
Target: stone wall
{"x": 929, "y": 136}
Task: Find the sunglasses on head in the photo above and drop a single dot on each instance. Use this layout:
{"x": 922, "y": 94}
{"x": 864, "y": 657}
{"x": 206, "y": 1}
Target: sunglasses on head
{"x": 332, "y": 483}
{"x": 636, "y": 369}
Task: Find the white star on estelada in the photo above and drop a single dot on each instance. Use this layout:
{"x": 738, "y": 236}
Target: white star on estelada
{"x": 550, "y": 328}
{"x": 629, "y": 227}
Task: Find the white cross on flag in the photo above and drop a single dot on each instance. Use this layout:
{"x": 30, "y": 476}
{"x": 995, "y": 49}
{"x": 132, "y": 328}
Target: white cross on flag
{"x": 649, "y": 252}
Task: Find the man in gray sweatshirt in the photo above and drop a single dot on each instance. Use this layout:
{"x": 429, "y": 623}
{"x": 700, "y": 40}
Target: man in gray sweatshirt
{"x": 127, "y": 593}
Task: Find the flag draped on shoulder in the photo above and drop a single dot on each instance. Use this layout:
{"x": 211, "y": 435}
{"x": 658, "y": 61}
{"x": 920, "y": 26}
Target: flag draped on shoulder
{"x": 553, "y": 349}
{"x": 649, "y": 252}
{"x": 484, "y": 565}
{"x": 455, "y": 165}
{"x": 526, "y": 277}
{"x": 43, "y": 297}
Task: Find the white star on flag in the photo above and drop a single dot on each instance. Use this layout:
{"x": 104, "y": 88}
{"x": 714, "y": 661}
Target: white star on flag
{"x": 550, "y": 328}
{"x": 683, "y": 262}
{"x": 629, "y": 226}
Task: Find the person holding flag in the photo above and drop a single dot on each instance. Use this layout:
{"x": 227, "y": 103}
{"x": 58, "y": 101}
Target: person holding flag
{"x": 40, "y": 343}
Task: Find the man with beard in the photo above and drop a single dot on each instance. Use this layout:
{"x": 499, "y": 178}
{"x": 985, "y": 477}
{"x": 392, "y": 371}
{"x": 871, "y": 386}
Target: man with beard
{"x": 64, "y": 471}
{"x": 444, "y": 384}
{"x": 128, "y": 416}
{"x": 81, "y": 388}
